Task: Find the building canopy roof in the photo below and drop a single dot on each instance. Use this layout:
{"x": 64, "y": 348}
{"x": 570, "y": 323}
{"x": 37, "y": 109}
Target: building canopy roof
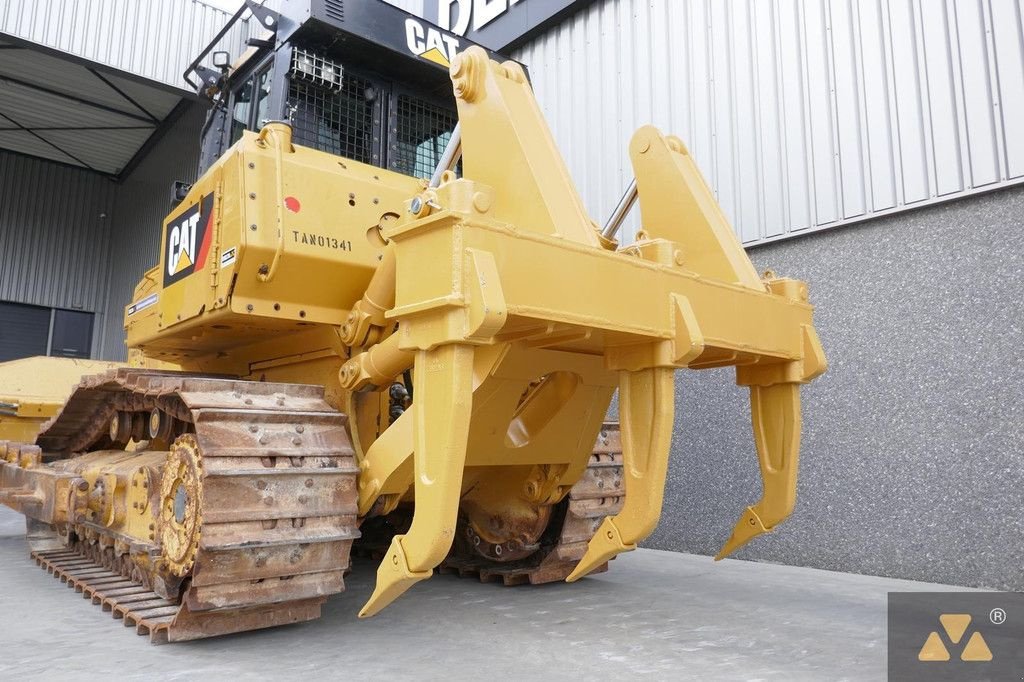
{"x": 91, "y": 84}
{"x": 73, "y": 111}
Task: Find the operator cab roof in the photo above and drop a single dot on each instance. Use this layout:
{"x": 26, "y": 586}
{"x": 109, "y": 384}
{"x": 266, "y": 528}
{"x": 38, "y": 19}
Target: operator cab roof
{"x": 368, "y": 35}
{"x": 363, "y": 80}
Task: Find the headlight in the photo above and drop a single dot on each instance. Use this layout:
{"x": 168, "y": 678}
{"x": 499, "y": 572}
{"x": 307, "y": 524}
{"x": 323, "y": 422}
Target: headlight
{"x": 315, "y": 69}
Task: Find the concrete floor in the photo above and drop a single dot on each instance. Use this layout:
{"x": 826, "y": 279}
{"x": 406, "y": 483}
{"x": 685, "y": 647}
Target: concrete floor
{"x": 656, "y": 614}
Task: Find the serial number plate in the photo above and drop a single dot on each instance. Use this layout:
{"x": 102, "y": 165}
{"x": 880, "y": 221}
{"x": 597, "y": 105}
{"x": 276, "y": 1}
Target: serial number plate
{"x": 321, "y": 240}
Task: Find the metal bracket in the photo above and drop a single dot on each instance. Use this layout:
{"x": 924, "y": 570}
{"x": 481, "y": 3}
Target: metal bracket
{"x": 268, "y": 19}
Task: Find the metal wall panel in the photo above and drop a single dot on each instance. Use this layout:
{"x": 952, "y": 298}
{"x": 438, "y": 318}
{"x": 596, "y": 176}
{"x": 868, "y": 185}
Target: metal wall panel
{"x": 155, "y": 39}
{"x": 136, "y": 224}
{"x": 74, "y": 239}
{"x": 802, "y": 115}
{"x": 54, "y": 233}
{"x": 410, "y": 6}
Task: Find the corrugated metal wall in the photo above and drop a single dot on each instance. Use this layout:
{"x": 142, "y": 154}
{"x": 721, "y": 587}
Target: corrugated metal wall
{"x": 55, "y": 227}
{"x": 142, "y": 202}
{"x": 802, "y": 115}
{"x": 74, "y": 239}
{"x": 156, "y": 39}
{"x": 410, "y": 6}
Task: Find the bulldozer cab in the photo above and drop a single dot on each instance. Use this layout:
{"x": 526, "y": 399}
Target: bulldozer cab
{"x": 365, "y": 81}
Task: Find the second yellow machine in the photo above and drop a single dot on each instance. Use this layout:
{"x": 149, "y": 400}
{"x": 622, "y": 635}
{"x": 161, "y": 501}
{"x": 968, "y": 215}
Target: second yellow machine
{"x": 382, "y": 313}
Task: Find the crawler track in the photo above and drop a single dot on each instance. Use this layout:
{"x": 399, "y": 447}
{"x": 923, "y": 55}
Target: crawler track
{"x": 278, "y": 513}
{"x": 277, "y": 517}
{"x": 150, "y": 614}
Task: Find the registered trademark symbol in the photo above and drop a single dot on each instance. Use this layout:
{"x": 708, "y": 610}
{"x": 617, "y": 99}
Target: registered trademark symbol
{"x": 997, "y": 616}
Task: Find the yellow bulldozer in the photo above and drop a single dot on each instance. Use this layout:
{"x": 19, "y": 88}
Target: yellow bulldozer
{"x": 382, "y": 318}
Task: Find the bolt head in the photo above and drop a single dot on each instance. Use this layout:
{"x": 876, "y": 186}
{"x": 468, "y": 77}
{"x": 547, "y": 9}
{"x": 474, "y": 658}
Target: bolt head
{"x": 481, "y": 202}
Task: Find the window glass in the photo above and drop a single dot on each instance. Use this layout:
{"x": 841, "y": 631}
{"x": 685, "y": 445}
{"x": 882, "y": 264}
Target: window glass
{"x": 28, "y": 330}
{"x": 241, "y": 107}
{"x": 263, "y": 84}
{"x": 24, "y": 330}
{"x": 335, "y": 122}
{"x": 72, "y": 334}
{"x": 423, "y": 131}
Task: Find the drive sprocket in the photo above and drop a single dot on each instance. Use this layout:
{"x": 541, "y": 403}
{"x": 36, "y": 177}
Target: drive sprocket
{"x": 181, "y": 503}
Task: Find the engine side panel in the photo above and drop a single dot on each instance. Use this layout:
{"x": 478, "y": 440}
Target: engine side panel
{"x": 272, "y": 239}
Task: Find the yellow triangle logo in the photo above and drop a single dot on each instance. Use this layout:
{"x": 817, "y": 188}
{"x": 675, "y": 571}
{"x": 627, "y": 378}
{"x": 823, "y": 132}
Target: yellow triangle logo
{"x": 183, "y": 261}
{"x": 976, "y": 649}
{"x": 933, "y": 649}
{"x": 435, "y": 55}
{"x": 955, "y": 625}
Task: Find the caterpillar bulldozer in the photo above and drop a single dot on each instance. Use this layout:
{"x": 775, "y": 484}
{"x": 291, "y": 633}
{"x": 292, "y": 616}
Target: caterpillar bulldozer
{"x": 382, "y": 319}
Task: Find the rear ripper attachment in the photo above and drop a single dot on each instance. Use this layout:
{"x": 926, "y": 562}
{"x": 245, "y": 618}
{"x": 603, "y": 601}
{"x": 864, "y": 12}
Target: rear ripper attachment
{"x": 241, "y": 516}
{"x": 500, "y": 277}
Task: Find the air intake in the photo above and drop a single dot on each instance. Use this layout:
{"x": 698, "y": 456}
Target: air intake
{"x": 335, "y": 9}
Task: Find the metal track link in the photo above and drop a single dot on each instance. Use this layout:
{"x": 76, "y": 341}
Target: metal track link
{"x": 125, "y": 599}
{"x": 278, "y": 513}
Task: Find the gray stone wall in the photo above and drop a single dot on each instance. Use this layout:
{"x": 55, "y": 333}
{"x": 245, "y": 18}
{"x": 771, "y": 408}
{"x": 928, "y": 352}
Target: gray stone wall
{"x": 912, "y": 463}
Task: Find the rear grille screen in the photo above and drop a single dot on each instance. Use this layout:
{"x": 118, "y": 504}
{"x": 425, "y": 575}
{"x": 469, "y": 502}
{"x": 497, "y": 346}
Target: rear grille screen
{"x": 339, "y": 122}
{"x": 340, "y": 113}
{"x": 421, "y": 131}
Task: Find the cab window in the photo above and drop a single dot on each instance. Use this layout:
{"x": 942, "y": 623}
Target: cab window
{"x": 250, "y": 102}
{"x": 263, "y": 85}
{"x": 241, "y": 109}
